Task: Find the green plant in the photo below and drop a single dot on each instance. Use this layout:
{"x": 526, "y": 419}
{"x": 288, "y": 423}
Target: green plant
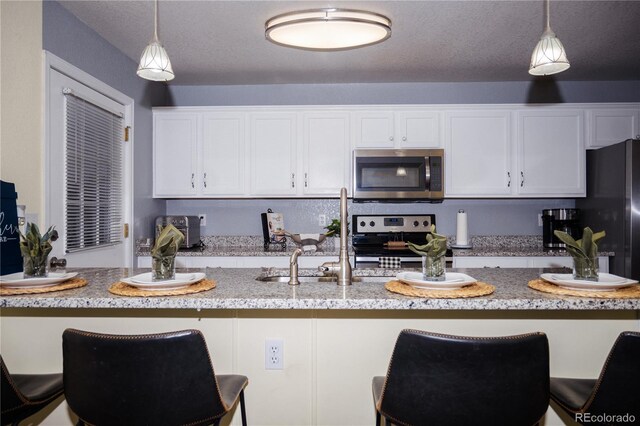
{"x": 35, "y": 249}
{"x": 168, "y": 242}
{"x": 436, "y": 245}
{"x": 586, "y": 247}
{"x": 333, "y": 229}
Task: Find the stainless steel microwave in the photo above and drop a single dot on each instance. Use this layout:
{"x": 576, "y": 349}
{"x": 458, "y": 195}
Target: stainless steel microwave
{"x": 398, "y": 175}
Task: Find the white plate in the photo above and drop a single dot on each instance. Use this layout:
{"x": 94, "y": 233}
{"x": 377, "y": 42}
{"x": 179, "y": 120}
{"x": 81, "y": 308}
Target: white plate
{"x": 145, "y": 282}
{"x": 606, "y": 282}
{"x": 452, "y": 280}
{"x": 18, "y": 280}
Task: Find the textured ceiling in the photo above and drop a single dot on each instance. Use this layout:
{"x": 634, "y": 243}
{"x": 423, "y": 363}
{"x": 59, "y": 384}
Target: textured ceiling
{"x": 222, "y": 42}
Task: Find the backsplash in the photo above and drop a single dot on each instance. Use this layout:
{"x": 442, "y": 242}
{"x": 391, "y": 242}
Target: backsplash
{"x": 485, "y": 217}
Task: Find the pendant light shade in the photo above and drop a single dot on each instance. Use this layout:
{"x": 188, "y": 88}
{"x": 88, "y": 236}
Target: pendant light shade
{"x": 328, "y": 29}
{"x": 154, "y": 62}
{"x": 549, "y": 56}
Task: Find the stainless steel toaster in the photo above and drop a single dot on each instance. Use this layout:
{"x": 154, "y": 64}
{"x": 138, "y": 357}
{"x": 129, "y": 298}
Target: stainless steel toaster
{"x": 188, "y": 225}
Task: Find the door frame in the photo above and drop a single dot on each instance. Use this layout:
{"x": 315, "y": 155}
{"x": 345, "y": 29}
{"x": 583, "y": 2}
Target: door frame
{"x": 54, "y": 63}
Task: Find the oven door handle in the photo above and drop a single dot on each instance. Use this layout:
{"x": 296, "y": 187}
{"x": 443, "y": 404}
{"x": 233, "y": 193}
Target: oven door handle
{"x": 427, "y": 174}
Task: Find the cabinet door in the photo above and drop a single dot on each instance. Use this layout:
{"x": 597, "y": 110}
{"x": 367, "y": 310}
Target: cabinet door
{"x": 611, "y": 125}
{"x": 373, "y": 129}
{"x": 551, "y": 154}
{"x": 273, "y": 153}
{"x": 417, "y": 129}
{"x": 326, "y": 153}
{"x": 222, "y": 154}
{"x": 174, "y": 147}
{"x": 478, "y": 154}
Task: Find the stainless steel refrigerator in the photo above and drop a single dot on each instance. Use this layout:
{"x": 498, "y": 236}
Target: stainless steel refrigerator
{"x": 613, "y": 203}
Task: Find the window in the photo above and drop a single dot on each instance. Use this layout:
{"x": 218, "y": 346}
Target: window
{"x": 93, "y": 175}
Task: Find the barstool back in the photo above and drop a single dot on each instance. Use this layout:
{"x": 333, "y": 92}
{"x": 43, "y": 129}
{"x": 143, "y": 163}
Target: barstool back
{"x": 150, "y": 379}
{"x": 451, "y": 380}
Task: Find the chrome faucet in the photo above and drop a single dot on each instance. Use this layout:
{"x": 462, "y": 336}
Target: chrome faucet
{"x": 342, "y": 269}
{"x": 293, "y": 267}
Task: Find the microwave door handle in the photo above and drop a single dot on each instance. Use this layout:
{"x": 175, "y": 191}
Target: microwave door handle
{"x": 427, "y": 173}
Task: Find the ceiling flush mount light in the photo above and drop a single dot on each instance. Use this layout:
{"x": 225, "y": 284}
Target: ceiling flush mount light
{"x": 328, "y": 29}
{"x": 154, "y": 61}
{"x": 549, "y": 56}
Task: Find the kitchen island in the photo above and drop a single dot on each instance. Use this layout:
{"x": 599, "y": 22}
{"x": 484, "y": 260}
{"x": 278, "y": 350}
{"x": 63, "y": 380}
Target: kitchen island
{"x": 334, "y": 339}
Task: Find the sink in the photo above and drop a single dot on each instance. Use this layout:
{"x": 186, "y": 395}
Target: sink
{"x": 303, "y": 279}
{"x": 324, "y": 279}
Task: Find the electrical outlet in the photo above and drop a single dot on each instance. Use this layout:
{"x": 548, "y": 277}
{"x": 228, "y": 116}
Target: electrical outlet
{"x": 203, "y": 219}
{"x": 539, "y": 219}
{"x": 274, "y": 354}
{"x": 322, "y": 220}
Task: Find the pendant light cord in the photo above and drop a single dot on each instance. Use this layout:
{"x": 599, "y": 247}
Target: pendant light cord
{"x": 155, "y": 24}
{"x": 548, "y": 27}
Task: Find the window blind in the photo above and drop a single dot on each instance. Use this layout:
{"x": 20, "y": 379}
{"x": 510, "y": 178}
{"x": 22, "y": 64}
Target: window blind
{"x": 93, "y": 175}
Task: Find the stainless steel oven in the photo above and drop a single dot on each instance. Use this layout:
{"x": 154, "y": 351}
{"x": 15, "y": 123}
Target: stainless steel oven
{"x": 398, "y": 175}
{"x": 377, "y": 238}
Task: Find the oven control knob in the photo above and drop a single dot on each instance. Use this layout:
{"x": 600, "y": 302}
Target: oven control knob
{"x": 425, "y": 223}
{"x": 416, "y": 223}
{"x": 372, "y": 223}
{"x": 363, "y": 224}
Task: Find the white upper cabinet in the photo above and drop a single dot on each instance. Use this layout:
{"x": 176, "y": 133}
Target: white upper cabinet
{"x": 174, "y": 154}
{"x": 222, "y": 154}
{"x": 611, "y": 125}
{"x": 274, "y": 139}
{"x": 478, "y": 153}
{"x": 551, "y": 154}
{"x": 326, "y": 153}
{"x": 401, "y": 129}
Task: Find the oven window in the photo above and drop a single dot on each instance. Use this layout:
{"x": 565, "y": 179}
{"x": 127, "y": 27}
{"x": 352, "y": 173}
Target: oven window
{"x": 406, "y": 174}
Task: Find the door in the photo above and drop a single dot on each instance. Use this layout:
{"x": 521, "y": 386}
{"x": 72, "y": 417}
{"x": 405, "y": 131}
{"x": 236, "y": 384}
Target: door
{"x": 611, "y": 125}
{"x": 418, "y": 129}
{"x": 273, "y": 154}
{"x": 326, "y": 153}
{"x": 551, "y": 154}
{"x": 478, "y": 154}
{"x": 86, "y": 213}
{"x": 373, "y": 129}
{"x": 222, "y": 154}
{"x": 175, "y": 136}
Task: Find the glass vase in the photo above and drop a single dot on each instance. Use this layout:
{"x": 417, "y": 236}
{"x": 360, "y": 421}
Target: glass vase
{"x": 433, "y": 268}
{"x": 163, "y": 268}
{"x": 34, "y": 266}
{"x": 585, "y": 268}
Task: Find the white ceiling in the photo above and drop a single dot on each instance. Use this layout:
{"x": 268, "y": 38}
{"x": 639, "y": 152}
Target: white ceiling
{"x": 222, "y": 42}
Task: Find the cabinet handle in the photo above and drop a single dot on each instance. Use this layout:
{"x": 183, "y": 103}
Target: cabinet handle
{"x": 305, "y": 181}
{"x": 205, "y": 180}
{"x": 293, "y": 180}
{"x": 193, "y": 184}
{"x": 391, "y": 138}
{"x": 404, "y": 138}
{"x": 521, "y": 179}
{"x": 509, "y": 183}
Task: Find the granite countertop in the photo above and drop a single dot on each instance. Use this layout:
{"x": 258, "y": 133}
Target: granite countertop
{"x": 238, "y": 289}
{"x": 483, "y": 246}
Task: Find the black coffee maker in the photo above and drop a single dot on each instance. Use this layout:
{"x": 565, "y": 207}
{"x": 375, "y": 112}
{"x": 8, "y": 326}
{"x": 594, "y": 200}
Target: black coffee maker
{"x": 565, "y": 220}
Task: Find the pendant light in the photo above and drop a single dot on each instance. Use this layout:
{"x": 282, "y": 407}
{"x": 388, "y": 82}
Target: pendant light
{"x": 154, "y": 61}
{"x": 328, "y": 29}
{"x": 549, "y": 56}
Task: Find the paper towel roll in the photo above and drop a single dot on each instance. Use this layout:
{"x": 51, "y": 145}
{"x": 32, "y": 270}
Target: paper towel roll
{"x": 462, "y": 231}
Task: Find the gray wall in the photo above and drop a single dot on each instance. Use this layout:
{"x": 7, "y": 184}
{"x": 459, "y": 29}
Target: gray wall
{"x": 543, "y": 90}
{"x": 70, "y": 39}
{"x": 485, "y": 217}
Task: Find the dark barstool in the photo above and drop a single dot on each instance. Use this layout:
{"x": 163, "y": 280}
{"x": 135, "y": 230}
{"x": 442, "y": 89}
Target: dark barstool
{"x": 446, "y": 380}
{"x": 23, "y": 395}
{"x": 615, "y": 392}
{"x": 154, "y": 379}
